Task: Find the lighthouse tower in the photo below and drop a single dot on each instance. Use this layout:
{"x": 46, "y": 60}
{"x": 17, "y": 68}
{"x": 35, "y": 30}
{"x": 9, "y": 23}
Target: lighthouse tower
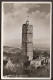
{"x": 27, "y": 40}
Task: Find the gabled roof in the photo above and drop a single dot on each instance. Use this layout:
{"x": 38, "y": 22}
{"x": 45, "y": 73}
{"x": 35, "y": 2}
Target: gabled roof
{"x": 39, "y": 59}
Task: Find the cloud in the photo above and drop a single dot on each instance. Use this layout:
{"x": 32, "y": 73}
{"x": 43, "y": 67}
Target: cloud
{"x": 28, "y": 5}
{"x": 13, "y": 21}
{"x": 8, "y": 8}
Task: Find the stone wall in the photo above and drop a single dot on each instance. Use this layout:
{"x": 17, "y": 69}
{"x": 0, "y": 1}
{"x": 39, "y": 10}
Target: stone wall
{"x": 27, "y": 40}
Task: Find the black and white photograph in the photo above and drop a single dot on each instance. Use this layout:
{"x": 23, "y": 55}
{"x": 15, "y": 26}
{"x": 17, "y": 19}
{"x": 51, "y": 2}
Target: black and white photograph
{"x": 26, "y": 40}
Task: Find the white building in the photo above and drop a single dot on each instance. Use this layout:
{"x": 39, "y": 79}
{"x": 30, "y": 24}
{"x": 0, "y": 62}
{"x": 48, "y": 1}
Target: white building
{"x": 38, "y": 62}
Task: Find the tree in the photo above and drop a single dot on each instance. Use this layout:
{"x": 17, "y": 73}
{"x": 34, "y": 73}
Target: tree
{"x": 46, "y": 54}
{"x": 36, "y": 54}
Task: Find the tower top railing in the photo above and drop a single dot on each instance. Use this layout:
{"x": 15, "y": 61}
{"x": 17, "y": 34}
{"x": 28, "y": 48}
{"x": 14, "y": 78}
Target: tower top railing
{"x": 27, "y": 22}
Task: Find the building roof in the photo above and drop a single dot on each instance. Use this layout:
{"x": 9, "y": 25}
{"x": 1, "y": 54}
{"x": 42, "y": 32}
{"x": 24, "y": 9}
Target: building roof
{"x": 38, "y": 59}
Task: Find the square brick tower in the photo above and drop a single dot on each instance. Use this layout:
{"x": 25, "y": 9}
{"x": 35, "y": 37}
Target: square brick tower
{"x": 27, "y": 40}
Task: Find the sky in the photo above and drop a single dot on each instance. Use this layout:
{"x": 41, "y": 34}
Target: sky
{"x": 16, "y": 14}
